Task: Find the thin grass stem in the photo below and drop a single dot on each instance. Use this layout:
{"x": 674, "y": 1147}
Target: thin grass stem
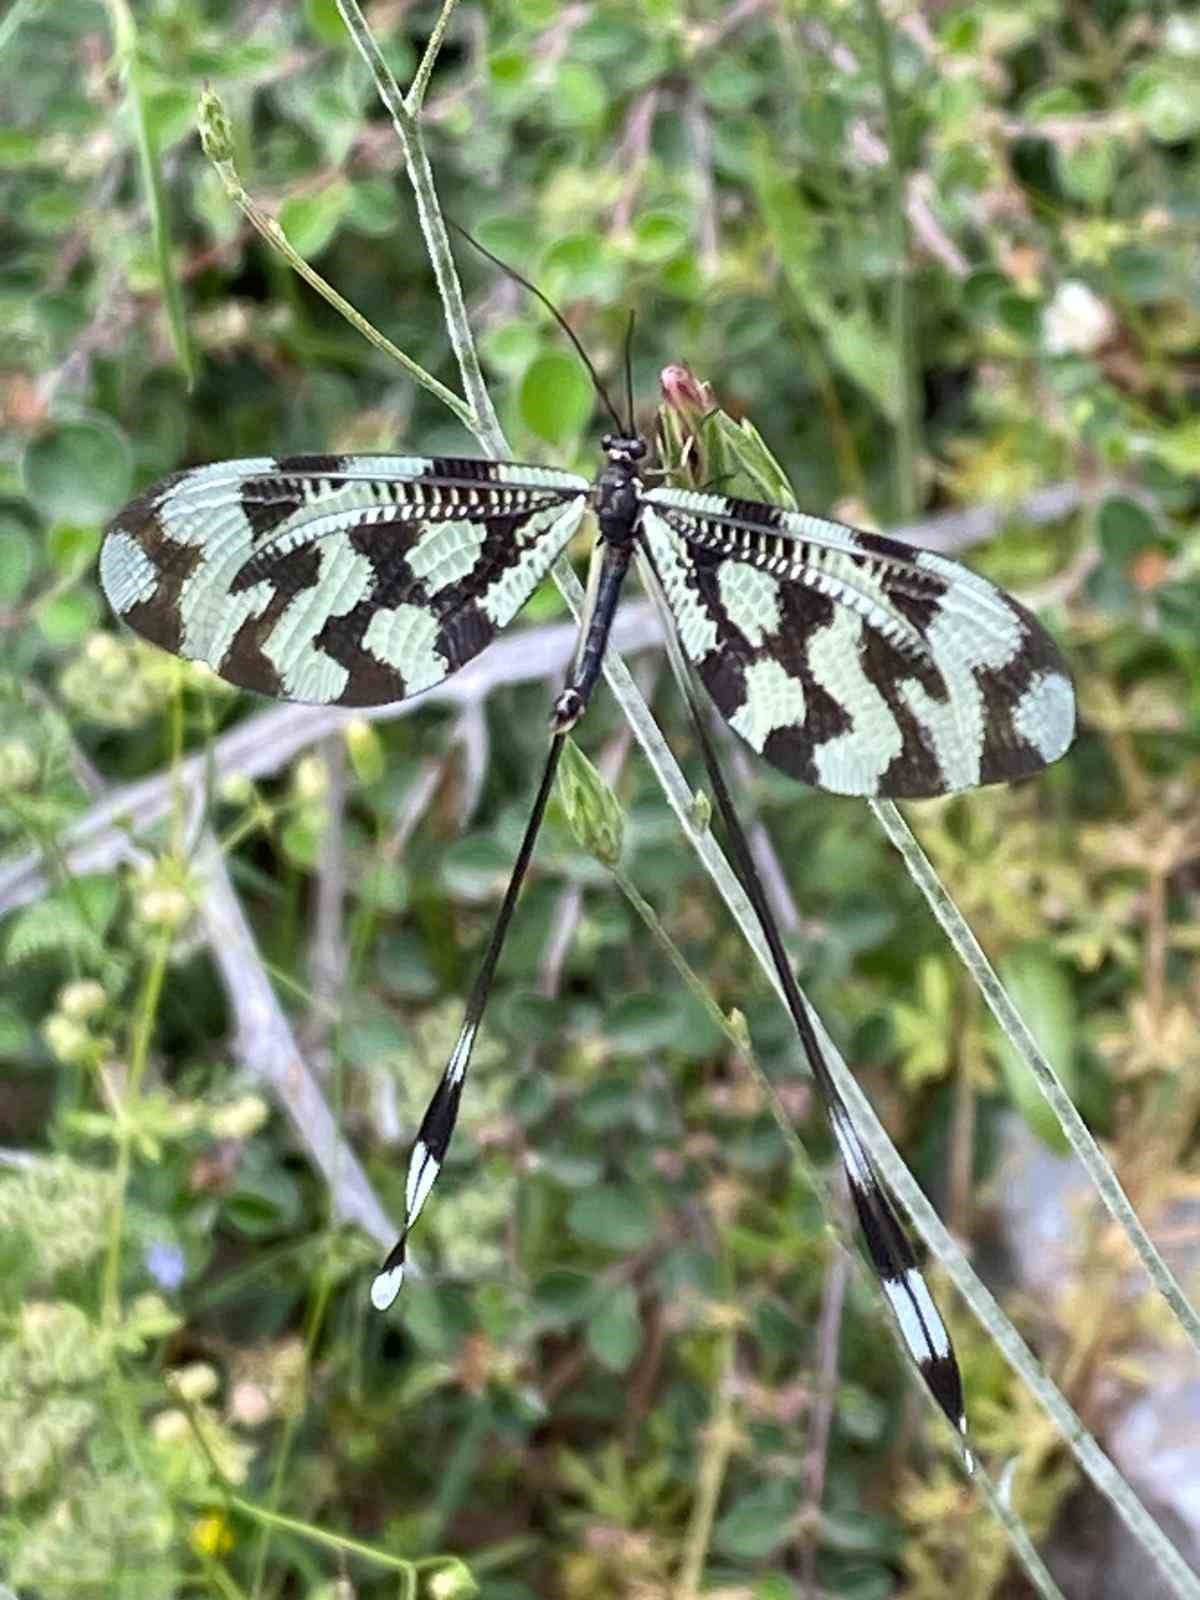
{"x": 126, "y": 1124}
{"x": 907, "y": 426}
{"x": 1108, "y": 1186}
{"x": 416, "y": 94}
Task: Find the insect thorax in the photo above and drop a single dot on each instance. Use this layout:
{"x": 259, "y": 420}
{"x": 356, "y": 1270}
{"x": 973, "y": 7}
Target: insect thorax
{"x": 617, "y": 491}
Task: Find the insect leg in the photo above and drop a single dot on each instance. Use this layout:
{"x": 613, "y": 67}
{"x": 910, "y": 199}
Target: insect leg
{"x": 433, "y": 1136}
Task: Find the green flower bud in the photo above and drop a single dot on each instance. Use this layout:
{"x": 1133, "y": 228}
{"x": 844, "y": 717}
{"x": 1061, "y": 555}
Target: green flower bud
{"x": 591, "y": 808}
{"x": 216, "y": 130}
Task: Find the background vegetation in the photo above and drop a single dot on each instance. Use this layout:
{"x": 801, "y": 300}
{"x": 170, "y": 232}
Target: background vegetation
{"x": 945, "y": 257}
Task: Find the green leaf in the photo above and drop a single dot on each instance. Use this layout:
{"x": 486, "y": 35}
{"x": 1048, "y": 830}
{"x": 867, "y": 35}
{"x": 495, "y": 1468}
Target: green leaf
{"x": 265, "y": 1200}
{"x": 580, "y": 97}
{"x": 658, "y": 235}
{"x": 437, "y": 1318}
{"x": 1165, "y": 97}
{"x": 66, "y": 619}
{"x": 311, "y": 220}
{"x": 563, "y": 1297}
{"x": 1124, "y": 528}
{"x": 614, "y": 1331}
{"x": 775, "y": 1586}
{"x": 16, "y": 559}
{"x": 453, "y": 1581}
{"x": 1041, "y": 991}
{"x": 71, "y": 546}
{"x": 373, "y": 208}
{"x": 1088, "y": 171}
{"x": 325, "y": 21}
{"x": 70, "y": 923}
{"x": 617, "y": 1217}
{"x": 555, "y": 397}
{"x": 757, "y": 1523}
{"x": 170, "y": 116}
{"x": 79, "y": 470}
{"x": 1177, "y": 447}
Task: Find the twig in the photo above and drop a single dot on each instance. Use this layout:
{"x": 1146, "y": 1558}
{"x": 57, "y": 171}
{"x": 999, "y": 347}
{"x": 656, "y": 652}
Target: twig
{"x": 907, "y": 426}
{"x": 719, "y": 1439}
{"x": 699, "y": 129}
{"x": 631, "y": 153}
{"x": 470, "y": 736}
{"x": 820, "y": 1420}
{"x": 267, "y": 1047}
{"x": 262, "y": 744}
{"x": 918, "y": 204}
{"x": 420, "y": 83}
{"x": 327, "y": 955}
{"x": 483, "y": 421}
{"x": 731, "y": 18}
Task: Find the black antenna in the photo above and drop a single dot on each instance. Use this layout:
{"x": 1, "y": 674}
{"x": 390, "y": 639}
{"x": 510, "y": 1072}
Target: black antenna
{"x": 554, "y": 312}
{"x": 629, "y": 373}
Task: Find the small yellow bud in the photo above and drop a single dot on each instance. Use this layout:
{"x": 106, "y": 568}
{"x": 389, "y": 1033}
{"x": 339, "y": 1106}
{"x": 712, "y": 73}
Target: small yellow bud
{"x": 68, "y": 1040}
{"x": 82, "y": 999}
{"x": 239, "y": 1119}
{"x": 18, "y": 765}
{"x": 311, "y": 778}
{"x": 212, "y": 1535}
{"x": 195, "y": 1382}
{"x": 163, "y": 906}
{"x": 452, "y": 1582}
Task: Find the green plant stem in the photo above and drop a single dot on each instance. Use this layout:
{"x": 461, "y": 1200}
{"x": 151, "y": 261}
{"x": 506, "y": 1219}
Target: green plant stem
{"x": 19, "y": 12}
{"x": 126, "y": 38}
{"x": 1108, "y": 1186}
{"x": 484, "y": 423}
{"x": 330, "y": 1541}
{"x": 110, "y": 1299}
{"x": 907, "y": 427}
{"x": 415, "y": 98}
{"x": 720, "y": 1437}
{"x": 268, "y": 229}
{"x": 316, "y": 1318}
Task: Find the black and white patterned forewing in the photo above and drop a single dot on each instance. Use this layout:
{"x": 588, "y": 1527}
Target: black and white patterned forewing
{"x": 355, "y": 579}
{"x": 854, "y": 662}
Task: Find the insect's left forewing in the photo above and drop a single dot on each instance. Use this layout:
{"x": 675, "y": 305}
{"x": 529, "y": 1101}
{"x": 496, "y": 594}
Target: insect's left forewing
{"x": 853, "y": 662}
{"x": 355, "y": 579}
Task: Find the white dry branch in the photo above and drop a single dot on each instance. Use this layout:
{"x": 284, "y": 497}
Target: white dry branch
{"x": 267, "y": 1047}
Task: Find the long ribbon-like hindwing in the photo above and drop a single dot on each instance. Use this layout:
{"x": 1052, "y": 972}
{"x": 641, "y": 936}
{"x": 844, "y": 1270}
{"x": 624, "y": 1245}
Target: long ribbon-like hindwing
{"x": 921, "y": 1326}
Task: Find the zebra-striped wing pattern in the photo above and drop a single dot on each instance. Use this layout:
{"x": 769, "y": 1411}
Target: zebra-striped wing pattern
{"x": 355, "y": 579}
{"x": 854, "y": 662}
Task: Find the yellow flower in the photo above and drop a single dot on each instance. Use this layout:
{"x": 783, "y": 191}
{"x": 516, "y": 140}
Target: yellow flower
{"x": 212, "y": 1535}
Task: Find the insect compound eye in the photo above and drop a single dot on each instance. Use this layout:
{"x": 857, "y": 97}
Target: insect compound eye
{"x": 607, "y": 442}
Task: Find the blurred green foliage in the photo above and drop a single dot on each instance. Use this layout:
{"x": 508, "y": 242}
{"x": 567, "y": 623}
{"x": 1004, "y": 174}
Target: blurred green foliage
{"x": 192, "y": 1394}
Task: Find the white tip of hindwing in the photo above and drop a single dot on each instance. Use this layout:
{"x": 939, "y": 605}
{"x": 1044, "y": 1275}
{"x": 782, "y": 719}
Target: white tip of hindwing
{"x": 386, "y": 1286}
